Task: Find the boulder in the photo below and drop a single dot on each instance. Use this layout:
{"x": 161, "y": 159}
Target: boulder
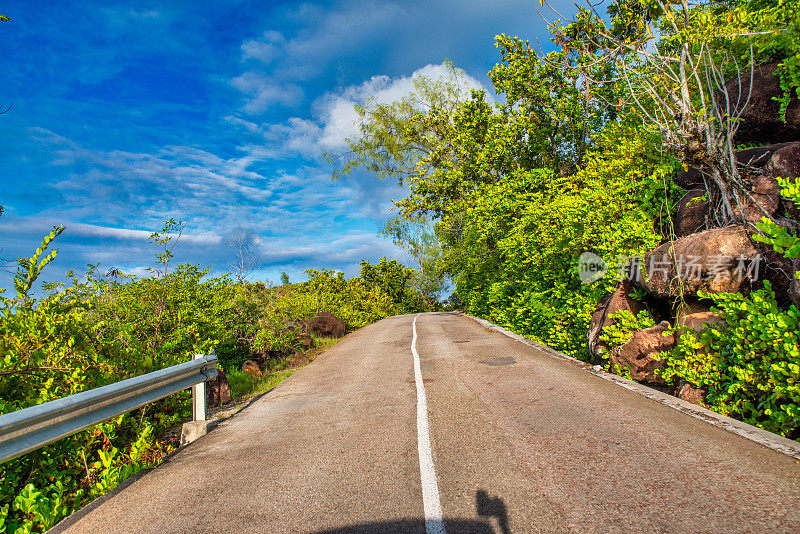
{"x": 612, "y": 302}
{"x": 691, "y": 214}
{"x": 640, "y": 353}
{"x": 761, "y": 121}
{"x": 217, "y": 390}
{"x": 690, "y": 306}
{"x": 759, "y": 156}
{"x": 690, "y": 178}
{"x": 765, "y": 201}
{"x": 755, "y": 157}
{"x": 700, "y": 321}
{"x": 785, "y": 163}
{"x": 717, "y": 261}
{"x": 327, "y": 324}
{"x": 250, "y": 367}
{"x": 689, "y": 393}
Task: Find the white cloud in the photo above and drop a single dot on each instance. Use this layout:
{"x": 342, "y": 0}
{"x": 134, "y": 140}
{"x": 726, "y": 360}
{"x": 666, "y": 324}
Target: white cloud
{"x": 266, "y": 49}
{"x": 338, "y": 112}
{"x": 93, "y": 230}
{"x": 335, "y": 118}
{"x": 264, "y": 92}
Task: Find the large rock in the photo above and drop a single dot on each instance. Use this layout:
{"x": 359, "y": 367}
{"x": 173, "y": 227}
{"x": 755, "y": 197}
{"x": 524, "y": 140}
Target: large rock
{"x": 692, "y": 213}
{"x": 250, "y": 367}
{"x": 761, "y": 121}
{"x": 217, "y": 390}
{"x": 700, "y": 321}
{"x": 327, "y": 324}
{"x": 785, "y": 163}
{"x": 612, "y": 302}
{"x": 690, "y": 306}
{"x": 689, "y": 393}
{"x": 718, "y": 261}
{"x": 777, "y": 268}
{"x": 640, "y": 354}
{"x": 754, "y": 157}
{"x": 764, "y": 199}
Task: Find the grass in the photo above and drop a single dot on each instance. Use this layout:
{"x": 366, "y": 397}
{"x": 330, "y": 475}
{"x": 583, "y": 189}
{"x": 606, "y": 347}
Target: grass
{"x": 243, "y": 385}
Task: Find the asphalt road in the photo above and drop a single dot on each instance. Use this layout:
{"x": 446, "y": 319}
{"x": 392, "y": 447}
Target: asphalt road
{"x": 520, "y": 441}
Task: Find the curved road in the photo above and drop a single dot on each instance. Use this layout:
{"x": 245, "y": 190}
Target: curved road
{"x": 519, "y": 441}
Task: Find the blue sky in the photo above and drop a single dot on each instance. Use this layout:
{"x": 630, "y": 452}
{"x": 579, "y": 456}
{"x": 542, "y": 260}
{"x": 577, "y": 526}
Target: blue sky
{"x": 217, "y": 114}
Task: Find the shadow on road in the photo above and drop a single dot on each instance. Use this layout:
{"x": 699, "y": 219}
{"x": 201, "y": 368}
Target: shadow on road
{"x": 486, "y": 507}
{"x": 492, "y": 507}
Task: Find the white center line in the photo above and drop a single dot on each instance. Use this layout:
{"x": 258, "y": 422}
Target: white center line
{"x": 427, "y": 472}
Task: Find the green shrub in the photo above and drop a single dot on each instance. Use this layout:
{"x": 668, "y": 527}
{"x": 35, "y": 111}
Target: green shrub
{"x": 625, "y": 325}
{"x": 750, "y": 366}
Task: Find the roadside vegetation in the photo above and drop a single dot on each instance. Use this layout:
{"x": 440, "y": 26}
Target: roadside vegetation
{"x": 100, "y": 328}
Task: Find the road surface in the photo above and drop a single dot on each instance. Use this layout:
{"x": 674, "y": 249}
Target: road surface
{"x": 508, "y": 439}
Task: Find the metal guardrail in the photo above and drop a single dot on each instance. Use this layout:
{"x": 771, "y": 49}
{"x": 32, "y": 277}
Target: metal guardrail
{"x": 30, "y": 428}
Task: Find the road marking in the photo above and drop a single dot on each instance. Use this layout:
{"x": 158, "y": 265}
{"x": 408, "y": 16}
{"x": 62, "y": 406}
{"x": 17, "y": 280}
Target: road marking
{"x": 427, "y": 472}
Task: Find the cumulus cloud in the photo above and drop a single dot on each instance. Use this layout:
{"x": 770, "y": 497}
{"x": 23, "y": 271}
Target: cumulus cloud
{"x": 334, "y": 117}
{"x": 111, "y": 201}
{"x": 337, "y": 111}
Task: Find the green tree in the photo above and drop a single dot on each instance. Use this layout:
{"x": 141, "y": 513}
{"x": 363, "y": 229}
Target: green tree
{"x": 419, "y": 239}
{"x": 393, "y": 278}
{"x": 676, "y": 63}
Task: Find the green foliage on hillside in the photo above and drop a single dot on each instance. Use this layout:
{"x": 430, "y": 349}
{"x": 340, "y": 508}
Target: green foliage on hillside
{"x": 577, "y": 153}
{"x": 103, "y": 329}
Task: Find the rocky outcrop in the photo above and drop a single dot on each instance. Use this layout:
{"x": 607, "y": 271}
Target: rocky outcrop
{"x": 761, "y": 121}
{"x": 640, "y": 354}
{"x": 692, "y": 394}
{"x": 217, "y": 390}
{"x": 757, "y": 158}
{"x": 327, "y": 324}
{"x": 700, "y": 321}
{"x": 612, "y": 302}
{"x": 250, "y": 367}
{"x": 716, "y": 261}
{"x": 785, "y": 163}
{"x": 692, "y": 213}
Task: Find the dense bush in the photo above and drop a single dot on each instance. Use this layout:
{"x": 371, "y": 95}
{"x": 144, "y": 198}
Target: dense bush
{"x": 750, "y": 365}
{"x": 523, "y": 236}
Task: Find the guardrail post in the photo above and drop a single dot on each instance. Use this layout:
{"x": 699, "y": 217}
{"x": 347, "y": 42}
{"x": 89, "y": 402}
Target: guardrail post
{"x": 198, "y": 427}
{"x": 199, "y": 397}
